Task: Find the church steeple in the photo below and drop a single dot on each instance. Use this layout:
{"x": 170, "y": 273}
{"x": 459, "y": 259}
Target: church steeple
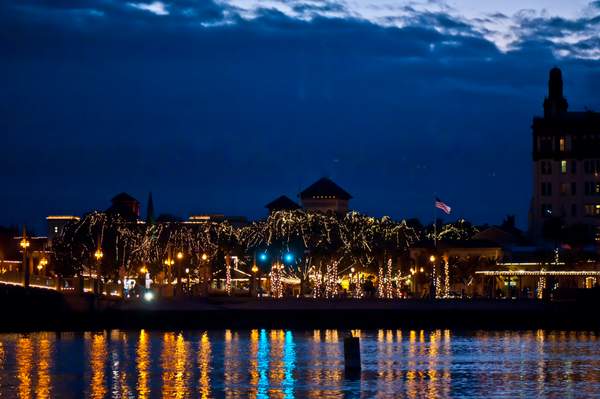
{"x": 555, "y": 103}
{"x": 150, "y": 210}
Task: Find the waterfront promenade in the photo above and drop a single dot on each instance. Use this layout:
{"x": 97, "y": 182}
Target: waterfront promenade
{"x": 40, "y": 309}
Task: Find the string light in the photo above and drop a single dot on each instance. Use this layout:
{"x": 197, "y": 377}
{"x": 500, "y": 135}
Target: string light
{"x": 276, "y": 283}
{"x": 389, "y": 288}
{"x": 352, "y": 239}
{"x": 446, "y": 278}
{"x": 380, "y": 283}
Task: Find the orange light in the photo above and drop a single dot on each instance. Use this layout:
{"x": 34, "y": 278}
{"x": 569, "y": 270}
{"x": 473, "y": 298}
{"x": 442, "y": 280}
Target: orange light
{"x": 179, "y": 255}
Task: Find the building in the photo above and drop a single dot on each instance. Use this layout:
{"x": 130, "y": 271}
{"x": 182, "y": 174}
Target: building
{"x": 325, "y": 196}
{"x": 57, "y": 223}
{"x": 126, "y": 206}
{"x": 283, "y": 203}
{"x": 566, "y": 163}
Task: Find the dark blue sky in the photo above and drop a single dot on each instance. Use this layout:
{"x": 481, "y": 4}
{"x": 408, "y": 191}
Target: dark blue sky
{"x": 215, "y": 111}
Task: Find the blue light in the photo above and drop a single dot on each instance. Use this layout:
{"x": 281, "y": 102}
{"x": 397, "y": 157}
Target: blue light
{"x": 262, "y": 257}
{"x": 288, "y": 257}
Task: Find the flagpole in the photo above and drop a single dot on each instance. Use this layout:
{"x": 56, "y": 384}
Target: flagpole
{"x": 434, "y": 226}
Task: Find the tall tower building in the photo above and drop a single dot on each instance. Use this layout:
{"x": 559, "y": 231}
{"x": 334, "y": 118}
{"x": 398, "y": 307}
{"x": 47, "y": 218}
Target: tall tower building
{"x": 566, "y": 163}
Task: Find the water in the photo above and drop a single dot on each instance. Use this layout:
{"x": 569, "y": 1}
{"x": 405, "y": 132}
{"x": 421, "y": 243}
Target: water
{"x": 299, "y": 364}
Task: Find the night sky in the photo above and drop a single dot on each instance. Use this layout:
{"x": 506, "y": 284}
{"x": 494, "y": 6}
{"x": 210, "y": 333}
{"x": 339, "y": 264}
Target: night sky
{"x": 223, "y": 106}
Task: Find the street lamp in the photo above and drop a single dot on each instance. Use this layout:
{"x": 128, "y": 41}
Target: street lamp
{"x": 179, "y": 287}
{"x": 24, "y": 243}
{"x": 432, "y": 287}
{"x": 42, "y": 264}
{"x": 254, "y": 269}
{"x": 169, "y": 262}
{"x": 288, "y": 257}
{"x": 98, "y": 255}
{"x": 204, "y": 257}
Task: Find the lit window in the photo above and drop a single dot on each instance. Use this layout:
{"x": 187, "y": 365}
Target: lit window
{"x": 592, "y": 210}
{"x": 563, "y": 167}
{"x": 562, "y": 144}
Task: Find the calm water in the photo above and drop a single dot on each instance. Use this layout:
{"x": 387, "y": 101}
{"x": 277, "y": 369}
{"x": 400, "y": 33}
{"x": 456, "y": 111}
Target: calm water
{"x": 299, "y": 364}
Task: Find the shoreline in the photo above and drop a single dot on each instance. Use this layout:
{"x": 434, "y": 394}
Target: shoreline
{"x": 36, "y": 309}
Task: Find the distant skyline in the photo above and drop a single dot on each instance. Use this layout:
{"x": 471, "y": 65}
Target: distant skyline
{"x": 222, "y": 106}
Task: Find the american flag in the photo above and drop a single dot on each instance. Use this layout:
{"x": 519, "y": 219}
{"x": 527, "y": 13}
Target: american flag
{"x": 442, "y": 205}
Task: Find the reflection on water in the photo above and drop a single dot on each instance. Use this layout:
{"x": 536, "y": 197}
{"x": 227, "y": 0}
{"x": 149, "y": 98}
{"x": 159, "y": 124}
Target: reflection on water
{"x": 98, "y": 360}
{"x": 298, "y": 364}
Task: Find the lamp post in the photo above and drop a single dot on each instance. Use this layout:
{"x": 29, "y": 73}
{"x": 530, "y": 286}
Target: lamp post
{"x": 253, "y": 286}
{"x": 98, "y": 255}
{"x": 24, "y": 244}
{"x": 42, "y": 264}
{"x": 432, "y": 289}
{"x": 205, "y": 274}
{"x": 187, "y": 273}
{"x": 169, "y": 262}
{"x": 179, "y": 268}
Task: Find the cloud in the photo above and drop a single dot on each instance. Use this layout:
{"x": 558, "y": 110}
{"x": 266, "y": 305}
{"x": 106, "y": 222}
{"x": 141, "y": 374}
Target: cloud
{"x": 156, "y": 7}
{"x": 210, "y": 105}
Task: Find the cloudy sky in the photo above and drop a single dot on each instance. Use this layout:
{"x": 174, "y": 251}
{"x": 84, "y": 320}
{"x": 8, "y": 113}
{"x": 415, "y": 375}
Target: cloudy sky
{"x": 220, "y": 106}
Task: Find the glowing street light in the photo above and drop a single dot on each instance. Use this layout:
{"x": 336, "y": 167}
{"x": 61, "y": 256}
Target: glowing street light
{"x": 42, "y": 264}
{"x": 179, "y": 255}
{"x": 169, "y": 262}
{"x": 24, "y": 243}
{"x": 98, "y": 254}
{"x": 288, "y": 257}
{"x": 254, "y": 269}
{"x": 204, "y": 257}
{"x": 432, "y": 258}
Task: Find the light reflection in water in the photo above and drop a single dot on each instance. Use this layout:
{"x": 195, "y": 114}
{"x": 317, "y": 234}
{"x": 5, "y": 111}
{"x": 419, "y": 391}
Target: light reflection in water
{"x": 289, "y": 359}
{"x": 276, "y": 373}
{"x": 289, "y": 364}
{"x": 232, "y": 372}
{"x": 143, "y": 365}
{"x": 24, "y": 357}
{"x": 263, "y": 365}
{"x": 98, "y": 358}
{"x": 175, "y": 368}
{"x": 204, "y": 360}
{"x": 253, "y": 363}
{"x": 44, "y": 379}
{"x": 118, "y": 356}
